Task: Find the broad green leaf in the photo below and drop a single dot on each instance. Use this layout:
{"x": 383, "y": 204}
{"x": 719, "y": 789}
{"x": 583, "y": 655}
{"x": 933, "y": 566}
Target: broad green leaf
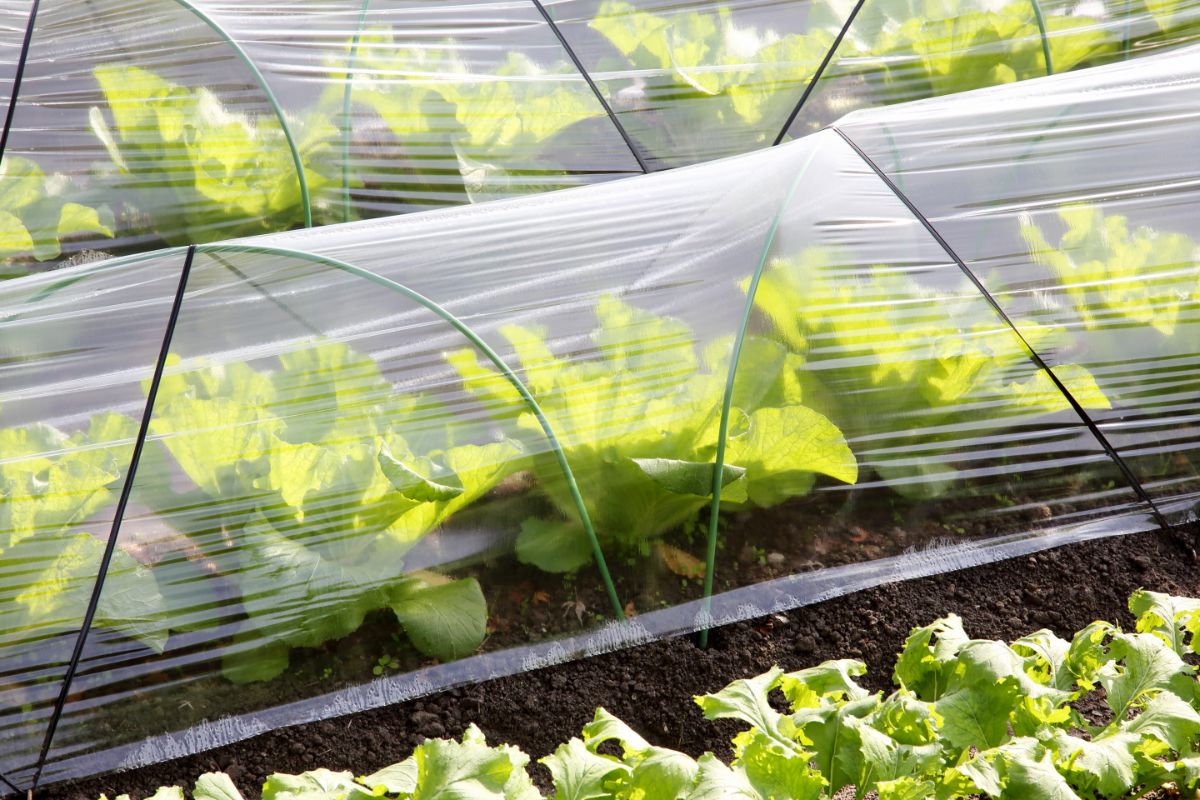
{"x": 906, "y": 788}
{"x": 687, "y": 477}
{"x": 1169, "y": 719}
{"x": 57, "y": 595}
{"x": 925, "y": 667}
{"x": 783, "y": 447}
{"x": 1105, "y": 764}
{"x": 580, "y": 774}
{"x": 830, "y": 678}
{"x": 397, "y": 779}
{"x": 1145, "y": 664}
{"x": 1164, "y": 616}
{"x": 471, "y": 770}
{"x": 410, "y": 484}
{"x": 775, "y": 770}
{"x": 445, "y": 621}
{"x": 318, "y": 784}
{"x": 715, "y": 781}
{"x": 215, "y": 786}
{"x": 747, "y": 700}
{"x": 605, "y": 727}
{"x": 553, "y": 545}
{"x": 977, "y": 715}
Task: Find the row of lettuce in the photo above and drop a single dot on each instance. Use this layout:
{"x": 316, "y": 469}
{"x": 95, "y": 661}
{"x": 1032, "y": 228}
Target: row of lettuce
{"x": 968, "y": 718}
{"x": 409, "y": 127}
{"x": 277, "y": 501}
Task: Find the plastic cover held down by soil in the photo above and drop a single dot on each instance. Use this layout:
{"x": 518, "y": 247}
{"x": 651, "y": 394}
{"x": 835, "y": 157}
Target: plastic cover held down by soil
{"x": 137, "y": 124}
{"x": 377, "y": 459}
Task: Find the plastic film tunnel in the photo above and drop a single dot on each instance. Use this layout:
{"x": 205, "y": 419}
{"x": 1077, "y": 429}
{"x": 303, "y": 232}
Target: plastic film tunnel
{"x": 251, "y": 483}
{"x": 134, "y": 125}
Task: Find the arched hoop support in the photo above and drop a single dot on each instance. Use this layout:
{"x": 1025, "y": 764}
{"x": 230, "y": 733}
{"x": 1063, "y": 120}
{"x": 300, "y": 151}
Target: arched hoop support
{"x": 1041, "y": 23}
{"x": 714, "y": 511}
{"x": 259, "y": 78}
{"x": 416, "y": 297}
{"x": 488, "y": 353}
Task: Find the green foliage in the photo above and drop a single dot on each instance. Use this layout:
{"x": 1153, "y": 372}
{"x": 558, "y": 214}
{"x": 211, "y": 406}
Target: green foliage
{"x": 929, "y": 48}
{"x": 52, "y": 488}
{"x": 639, "y": 423}
{"x": 970, "y": 718}
{"x": 201, "y": 171}
{"x": 305, "y": 470}
{"x": 712, "y": 71}
{"x": 35, "y": 215}
{"x": 928, "y": 362}
{"x": 1114, "y": 276}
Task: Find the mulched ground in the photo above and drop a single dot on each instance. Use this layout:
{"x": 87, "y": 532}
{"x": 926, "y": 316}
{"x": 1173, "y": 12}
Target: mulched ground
{"x": 651, "y": 686}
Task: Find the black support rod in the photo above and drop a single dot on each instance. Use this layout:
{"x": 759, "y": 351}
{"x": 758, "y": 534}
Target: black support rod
{"x": 17, "y": 77}
{"x": 633, "y": 149}
{"x": 1041, "y": 364}
{"x": 812, "y": 84}
{"x": 111, "y": 545}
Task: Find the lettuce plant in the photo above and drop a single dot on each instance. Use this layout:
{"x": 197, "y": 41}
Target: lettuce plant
{"x": 928, "y": 361}
{"x": 35, "y": 215}
{"x": 705, "y": 70}
{"x": 308, "y": 496}
{"x": 191, "y": 170}
{"x": 481, "y": 126}
{"x": 929, "y": 48}
{"x": 639, "y": 420}
{"x": 53, "y": 488}
{"x": 969, "y": 718}
{"x": 1114, "y": 276}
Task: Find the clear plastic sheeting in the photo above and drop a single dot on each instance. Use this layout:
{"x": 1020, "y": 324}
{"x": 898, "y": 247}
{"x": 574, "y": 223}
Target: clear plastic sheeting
{"x": 139, "y": 124}
{"x": 388, "y": 457}
{"x": 1075, "y": 205}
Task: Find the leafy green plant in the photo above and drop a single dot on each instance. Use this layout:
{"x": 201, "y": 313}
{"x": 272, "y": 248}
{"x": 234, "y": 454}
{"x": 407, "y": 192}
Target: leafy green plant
{"x": 308, "y": 496}
{"x": 35, "y": 215}
{"x": 1115, "y": 276}
{"x": 191, "y": 170}
{"x": 968, "y": 718}
{"x": 51, "y": 485}
{"x": 702, "y": 70}
{"x": 639, "y": 422}
{"x": 930, "y": 48}
{"x": 925, "y": 359}
{"x": 481, "y": 126}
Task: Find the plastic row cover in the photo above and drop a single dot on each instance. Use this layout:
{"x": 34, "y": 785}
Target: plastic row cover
{"x": 144, "y": 123}
{"x": 472, "y": 435}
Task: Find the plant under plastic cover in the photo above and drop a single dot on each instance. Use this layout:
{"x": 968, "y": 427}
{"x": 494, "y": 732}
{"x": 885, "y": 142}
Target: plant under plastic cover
{"x": 643, "y": 448}
{"x": 371, "y": 110}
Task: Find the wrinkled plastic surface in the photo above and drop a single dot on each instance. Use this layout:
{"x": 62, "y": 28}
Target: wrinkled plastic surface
{"x": 143, "y": 124}
{"x": 383, "y": 456}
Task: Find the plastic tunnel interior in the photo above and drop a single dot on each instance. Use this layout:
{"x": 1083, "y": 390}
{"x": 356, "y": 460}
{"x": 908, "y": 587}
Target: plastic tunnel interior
{"x": 259, "y": 481}
{"x": 133, "y": 125}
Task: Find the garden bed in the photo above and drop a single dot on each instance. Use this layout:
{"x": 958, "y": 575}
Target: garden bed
{"x": 651, "y": 686}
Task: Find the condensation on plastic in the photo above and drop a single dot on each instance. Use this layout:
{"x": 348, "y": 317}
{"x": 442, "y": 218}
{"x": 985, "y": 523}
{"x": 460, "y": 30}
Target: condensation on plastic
{"x": 338, "y": 477}
{"x": 141, "y": 124}
{"x": 1075, "y": 203}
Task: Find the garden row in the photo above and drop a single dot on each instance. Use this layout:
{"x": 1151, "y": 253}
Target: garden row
{"x": 160, "y": 156}
{"x": 1107, "y": 714}
{"x": 295, "y": 488}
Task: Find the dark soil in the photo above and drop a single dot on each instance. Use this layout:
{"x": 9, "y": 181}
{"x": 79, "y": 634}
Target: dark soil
{"x": 651, "y": 686}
